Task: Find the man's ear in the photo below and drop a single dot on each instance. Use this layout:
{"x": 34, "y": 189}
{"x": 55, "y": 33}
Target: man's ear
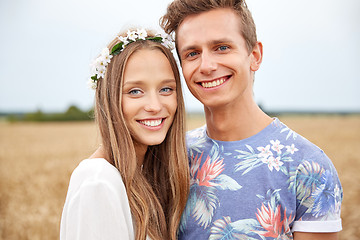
{"x": 256, "y": 56}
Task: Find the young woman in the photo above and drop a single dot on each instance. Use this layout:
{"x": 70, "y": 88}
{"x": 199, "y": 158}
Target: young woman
{"x": 135, "y": 185}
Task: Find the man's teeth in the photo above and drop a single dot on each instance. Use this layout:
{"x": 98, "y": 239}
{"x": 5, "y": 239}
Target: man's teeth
{"x": 213, "y": 83}
{"x": 152, "y": 123}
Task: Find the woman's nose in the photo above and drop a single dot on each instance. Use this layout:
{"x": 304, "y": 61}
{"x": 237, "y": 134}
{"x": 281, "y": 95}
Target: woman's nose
{"x": 153, "y": 103}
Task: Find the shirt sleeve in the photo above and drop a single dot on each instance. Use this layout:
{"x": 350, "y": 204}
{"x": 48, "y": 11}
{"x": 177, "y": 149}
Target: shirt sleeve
{"x": 319, "y": 196}
{"x": 96, "y": 211}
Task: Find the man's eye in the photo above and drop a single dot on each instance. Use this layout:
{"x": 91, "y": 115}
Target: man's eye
{"x": 223, "y": 48}
{"x": 192, "y": 54}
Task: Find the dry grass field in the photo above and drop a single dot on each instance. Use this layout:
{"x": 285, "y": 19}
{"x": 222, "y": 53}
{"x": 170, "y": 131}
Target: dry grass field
{"x": 37, "y": 160}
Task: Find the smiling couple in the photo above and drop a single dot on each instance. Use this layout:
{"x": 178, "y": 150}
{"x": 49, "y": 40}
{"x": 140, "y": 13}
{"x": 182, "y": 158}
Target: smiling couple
{"x": 244, "y": 175}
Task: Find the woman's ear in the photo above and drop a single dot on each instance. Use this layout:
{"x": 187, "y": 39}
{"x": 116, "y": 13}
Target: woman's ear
{"x": 256, "y": 56}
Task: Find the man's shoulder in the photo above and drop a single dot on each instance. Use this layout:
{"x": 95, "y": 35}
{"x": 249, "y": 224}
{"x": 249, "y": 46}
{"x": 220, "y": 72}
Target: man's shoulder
{"x": 295, "y": 142}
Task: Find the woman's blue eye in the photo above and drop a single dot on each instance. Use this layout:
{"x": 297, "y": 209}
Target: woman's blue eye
{"x": 135, "y": 92}
{"x": 166, "y": 89}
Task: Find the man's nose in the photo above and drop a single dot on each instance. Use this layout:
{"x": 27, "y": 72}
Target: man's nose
{"x": 208, "y": 63}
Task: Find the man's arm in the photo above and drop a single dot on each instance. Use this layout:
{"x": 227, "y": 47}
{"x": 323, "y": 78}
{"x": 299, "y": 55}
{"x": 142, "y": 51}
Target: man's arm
{"x": 315, "y": 236}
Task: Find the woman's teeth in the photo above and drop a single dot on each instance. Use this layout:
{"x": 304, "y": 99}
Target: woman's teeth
{"x": 151, "y": 123}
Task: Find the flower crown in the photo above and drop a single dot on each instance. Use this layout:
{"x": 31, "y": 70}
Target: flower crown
{"x": 98, "y": 67}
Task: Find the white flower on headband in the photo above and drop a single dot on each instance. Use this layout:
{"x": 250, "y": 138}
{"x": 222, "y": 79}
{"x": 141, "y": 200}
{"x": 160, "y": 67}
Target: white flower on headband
{"x": 124, "y": 40}
{"x": 167, "y": 40}
{"x": 92, "y": 84}
{"x": 142, "y": 34}
{"x": 100, "y": 71}
{"x": 132, "y": 35}
{"x": 168, "y": 44}
{"x": 105, "y": 56}
{"x": 98, "y": 67}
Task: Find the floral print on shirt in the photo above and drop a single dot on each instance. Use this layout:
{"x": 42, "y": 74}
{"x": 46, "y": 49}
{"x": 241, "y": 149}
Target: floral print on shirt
{"x": 257, "y": 188}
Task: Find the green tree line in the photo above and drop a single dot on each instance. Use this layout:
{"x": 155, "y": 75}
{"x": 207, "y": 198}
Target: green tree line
{"x": 73, "y": 113}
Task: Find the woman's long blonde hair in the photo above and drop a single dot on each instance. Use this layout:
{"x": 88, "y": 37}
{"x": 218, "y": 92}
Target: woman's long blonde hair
{"x": 158, "y": 191}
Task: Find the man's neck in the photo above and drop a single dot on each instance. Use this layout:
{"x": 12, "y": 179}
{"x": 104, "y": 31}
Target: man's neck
{"x": 236, "y": 122}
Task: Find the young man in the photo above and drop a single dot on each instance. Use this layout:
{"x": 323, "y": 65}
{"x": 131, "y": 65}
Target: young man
{"x": 251, "y": 176}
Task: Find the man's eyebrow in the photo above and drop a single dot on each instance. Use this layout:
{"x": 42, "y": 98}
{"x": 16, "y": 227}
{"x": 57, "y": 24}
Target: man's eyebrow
{"x": 188, "y": 48}
{"x": 221, "y": 41}
{"x": 212, "y": 42}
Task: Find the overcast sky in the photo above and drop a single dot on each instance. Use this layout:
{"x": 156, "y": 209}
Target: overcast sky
{"x": 311, "y": 51}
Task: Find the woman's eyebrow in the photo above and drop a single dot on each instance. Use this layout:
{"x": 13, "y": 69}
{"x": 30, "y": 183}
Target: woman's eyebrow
{"x": 170, "y": 80}
{"x": 139, "y": 82}
{"x": 133, "y": 82}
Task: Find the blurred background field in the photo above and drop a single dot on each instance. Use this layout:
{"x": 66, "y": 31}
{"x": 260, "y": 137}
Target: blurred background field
{"x": 37, "y": 159}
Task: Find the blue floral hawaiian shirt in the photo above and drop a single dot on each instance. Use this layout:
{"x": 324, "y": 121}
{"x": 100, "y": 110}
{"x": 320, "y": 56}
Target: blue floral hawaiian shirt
{"x": 263, "y": 187}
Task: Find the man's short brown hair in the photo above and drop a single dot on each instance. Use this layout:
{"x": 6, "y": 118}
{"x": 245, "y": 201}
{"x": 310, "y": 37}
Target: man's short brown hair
{"x": 178, "y": 10}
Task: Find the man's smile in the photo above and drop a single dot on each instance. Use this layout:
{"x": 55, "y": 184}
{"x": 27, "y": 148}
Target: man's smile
{"x": 214, "y": 83}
